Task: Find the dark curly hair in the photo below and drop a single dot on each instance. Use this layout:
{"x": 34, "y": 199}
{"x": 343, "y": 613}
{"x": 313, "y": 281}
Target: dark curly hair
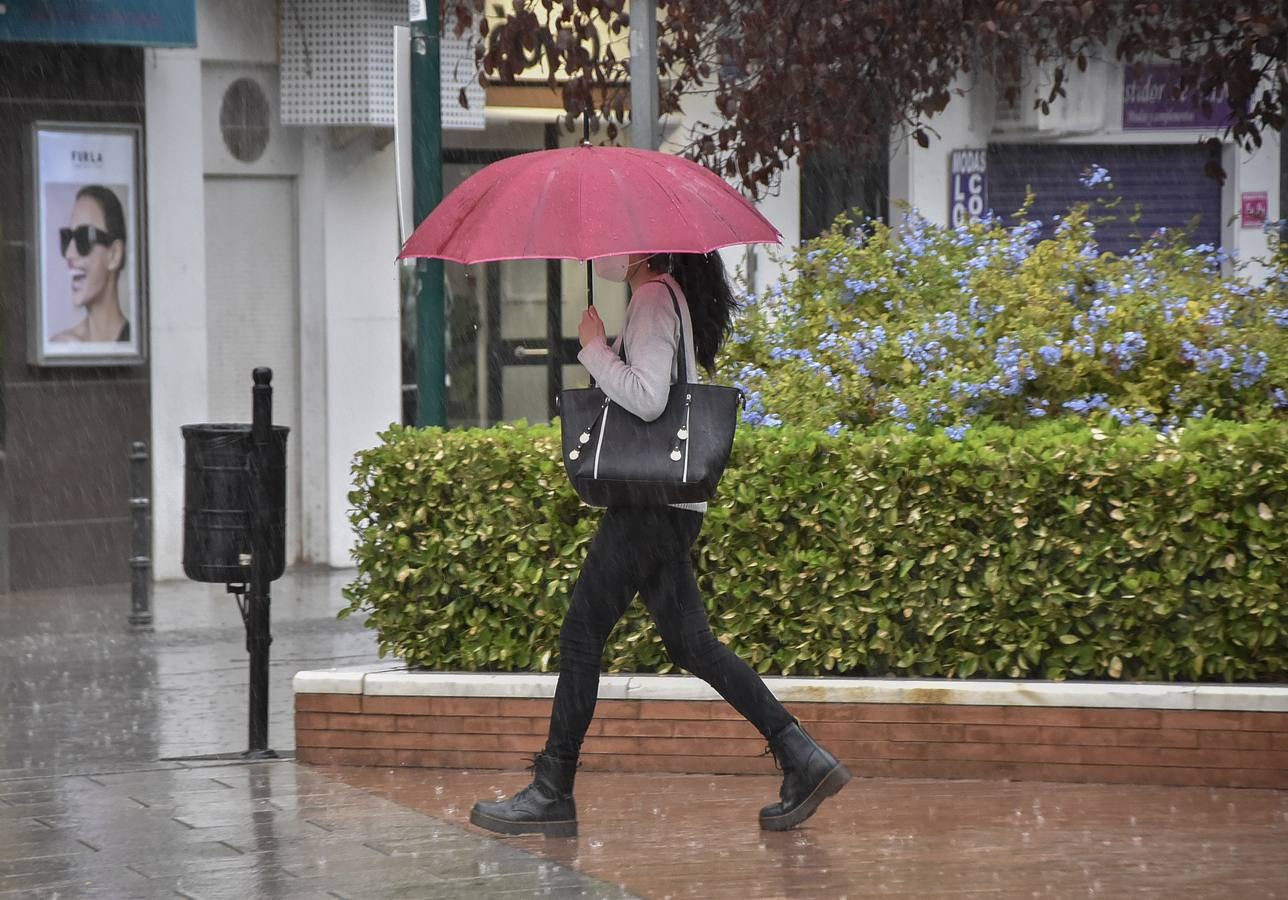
{"x": 711, "y": 302}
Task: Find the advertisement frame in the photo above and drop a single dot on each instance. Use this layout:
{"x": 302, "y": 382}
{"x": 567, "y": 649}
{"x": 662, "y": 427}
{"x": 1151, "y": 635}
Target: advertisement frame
{"x": 44, "y": 349}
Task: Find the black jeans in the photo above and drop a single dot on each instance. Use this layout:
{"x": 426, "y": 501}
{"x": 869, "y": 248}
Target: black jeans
{"x": 646, "y": 551}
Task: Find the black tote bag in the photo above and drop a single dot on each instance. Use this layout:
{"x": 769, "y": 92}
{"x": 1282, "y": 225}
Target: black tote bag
{"x": 615, "y": 458}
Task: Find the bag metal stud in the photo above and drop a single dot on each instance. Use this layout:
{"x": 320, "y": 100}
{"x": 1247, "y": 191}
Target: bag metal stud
{"x": 683, "y": 434}
{"x": 574, "y": 454}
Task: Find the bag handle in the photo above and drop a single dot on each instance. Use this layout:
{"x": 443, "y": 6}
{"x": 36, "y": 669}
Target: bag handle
{"x": 682, "y": 364}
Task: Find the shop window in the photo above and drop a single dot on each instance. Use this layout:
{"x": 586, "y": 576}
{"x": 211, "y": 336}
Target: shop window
{"x": 835, "y": 182}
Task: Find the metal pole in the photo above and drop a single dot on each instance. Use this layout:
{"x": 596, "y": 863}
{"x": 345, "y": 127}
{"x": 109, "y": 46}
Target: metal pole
{"x": 258, "y": 638}
{"x": 643, "y": 49}
{"x": 141, "y": 539}
{"x": 427, "y": 192}
{"x": 590, "y": 270}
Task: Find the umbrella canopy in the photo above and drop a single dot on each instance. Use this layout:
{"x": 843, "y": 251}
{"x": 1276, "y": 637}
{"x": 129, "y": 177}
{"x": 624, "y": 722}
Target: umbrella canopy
{"x": 584, "y": 202}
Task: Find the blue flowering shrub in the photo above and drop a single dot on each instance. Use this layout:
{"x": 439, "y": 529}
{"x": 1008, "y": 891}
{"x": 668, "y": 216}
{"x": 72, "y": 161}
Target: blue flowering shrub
{"x": 1006, "y": 490}
{"x": 933, "y": 329}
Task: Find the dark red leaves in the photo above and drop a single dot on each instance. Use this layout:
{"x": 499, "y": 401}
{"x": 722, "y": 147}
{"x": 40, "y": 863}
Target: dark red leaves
{"x": 834, "y": 73}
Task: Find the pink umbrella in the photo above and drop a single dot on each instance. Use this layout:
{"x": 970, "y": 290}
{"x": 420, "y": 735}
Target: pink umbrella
{"x": 584, "y": 202}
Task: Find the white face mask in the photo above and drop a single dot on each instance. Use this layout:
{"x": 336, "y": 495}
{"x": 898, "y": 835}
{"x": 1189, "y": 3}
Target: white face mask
{"x": 613, "y": 268}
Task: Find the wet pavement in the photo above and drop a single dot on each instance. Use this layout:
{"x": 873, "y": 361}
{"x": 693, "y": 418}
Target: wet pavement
{"x": 102, "y": 794}
{"x": 697, "y": 836}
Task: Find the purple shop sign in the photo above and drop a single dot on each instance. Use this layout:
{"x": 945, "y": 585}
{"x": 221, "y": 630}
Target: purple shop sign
{"x": 967, "y": 185}
{"x": 1148, "y": 101}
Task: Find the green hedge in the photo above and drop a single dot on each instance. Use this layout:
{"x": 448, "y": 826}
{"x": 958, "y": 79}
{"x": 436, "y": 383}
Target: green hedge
{"x": 1055, "y": 551}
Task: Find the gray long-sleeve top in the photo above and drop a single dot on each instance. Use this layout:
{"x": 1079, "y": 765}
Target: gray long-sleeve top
{"x": 651, "y": 334}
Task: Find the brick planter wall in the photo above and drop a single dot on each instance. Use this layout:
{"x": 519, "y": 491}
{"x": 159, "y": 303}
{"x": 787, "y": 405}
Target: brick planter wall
{"x": 1187, "y": 735}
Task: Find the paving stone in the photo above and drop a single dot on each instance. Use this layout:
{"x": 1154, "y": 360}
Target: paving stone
{"x": 93, "y": 806}
{"x": 697, "y": 836}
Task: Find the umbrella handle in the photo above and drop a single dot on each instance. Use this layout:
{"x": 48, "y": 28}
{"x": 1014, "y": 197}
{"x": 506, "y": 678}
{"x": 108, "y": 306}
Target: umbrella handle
{"x": 590, "y": 293}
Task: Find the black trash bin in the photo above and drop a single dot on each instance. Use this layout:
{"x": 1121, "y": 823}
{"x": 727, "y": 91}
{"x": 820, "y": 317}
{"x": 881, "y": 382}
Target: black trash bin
{"x": 218, "y": 502}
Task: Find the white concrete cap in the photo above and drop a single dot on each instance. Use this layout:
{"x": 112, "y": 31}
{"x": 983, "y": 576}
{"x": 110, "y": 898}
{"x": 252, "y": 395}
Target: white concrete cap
{"x": 396, "y": 681}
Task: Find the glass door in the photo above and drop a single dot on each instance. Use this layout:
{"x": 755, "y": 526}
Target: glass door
{"x": 511, "y": 328}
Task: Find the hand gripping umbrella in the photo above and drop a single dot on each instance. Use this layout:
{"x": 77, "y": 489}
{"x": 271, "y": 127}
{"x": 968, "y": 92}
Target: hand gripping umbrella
{"x": 585, "y": 202}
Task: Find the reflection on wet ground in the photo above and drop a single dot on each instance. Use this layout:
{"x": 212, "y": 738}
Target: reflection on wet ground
{"x": 697, "y": 836}
{"x": 93, "y": 803}
{"x": 79, "y": 688}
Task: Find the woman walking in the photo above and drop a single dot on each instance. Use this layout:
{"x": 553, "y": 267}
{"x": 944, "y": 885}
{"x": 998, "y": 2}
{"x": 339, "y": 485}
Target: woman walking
{"x": 645, "y": 551}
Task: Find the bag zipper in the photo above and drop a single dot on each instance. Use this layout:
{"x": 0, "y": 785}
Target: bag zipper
{"x": 688, "y": 398}
{"x": 599, "y": 443}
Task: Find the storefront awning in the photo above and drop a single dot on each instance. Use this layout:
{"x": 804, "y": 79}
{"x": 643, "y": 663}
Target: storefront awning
{"x": 141, "y": 23}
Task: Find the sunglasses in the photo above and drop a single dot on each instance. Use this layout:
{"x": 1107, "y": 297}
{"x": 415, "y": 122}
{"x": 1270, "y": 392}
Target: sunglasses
{"x": 85, "y": 236}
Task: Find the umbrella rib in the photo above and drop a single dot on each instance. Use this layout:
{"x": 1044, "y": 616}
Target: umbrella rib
{"x": 551, "y": 176}
{"x": 701, "y": 196}
{"x": 465, "y": 214}
{"x": 671, "y": 196}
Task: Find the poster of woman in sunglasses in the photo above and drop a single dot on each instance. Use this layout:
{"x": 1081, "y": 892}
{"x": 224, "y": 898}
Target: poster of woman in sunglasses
{"x": 88, "y": 280}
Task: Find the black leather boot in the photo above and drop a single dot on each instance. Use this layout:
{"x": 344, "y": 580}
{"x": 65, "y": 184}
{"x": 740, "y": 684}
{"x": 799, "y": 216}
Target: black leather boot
{"x": 543, "y": 807}
{"x": 810, "y": 776}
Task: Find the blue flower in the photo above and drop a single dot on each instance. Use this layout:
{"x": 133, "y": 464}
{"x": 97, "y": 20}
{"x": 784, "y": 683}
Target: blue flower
{"x": 1094, "y": 175}
{"x": 1098, "y": 314}
{"x": 1278, "y": 315}
{"x": 835, "y": 428}
{"x": 1127, "y": 350}
{"x": 947, "y": 325}
{"x": 935, "y": 411}
{"x": 864, "y": 345}
{"x": 957, "y": 432}
{"x": 1218, "y": 315}
{"x": 977, "y": 312}
{"x": 1022, "y": 238}
{"x": 1252, "y": 368}
{"x": 1174, "y": 308}
{"x": 1204, "y": 361}
{"x": 914, "y": 235}
{"x": 923, "y": 356}
{"x": 1281, "y": 398}
{"x": 1051, "y": 355}
{"x": 858, "y": 286}
{"x": 1084, "y": 405}
{"x": 1140, "y": 416}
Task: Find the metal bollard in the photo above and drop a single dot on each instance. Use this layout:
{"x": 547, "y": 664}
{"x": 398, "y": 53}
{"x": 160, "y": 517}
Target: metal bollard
{"x": 141, "y": 541}
{"x": 258, "y": 600}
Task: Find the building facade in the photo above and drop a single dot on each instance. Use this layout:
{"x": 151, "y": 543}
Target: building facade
{"x": 264, "y": 220}
{"x": 989, "y": 155}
